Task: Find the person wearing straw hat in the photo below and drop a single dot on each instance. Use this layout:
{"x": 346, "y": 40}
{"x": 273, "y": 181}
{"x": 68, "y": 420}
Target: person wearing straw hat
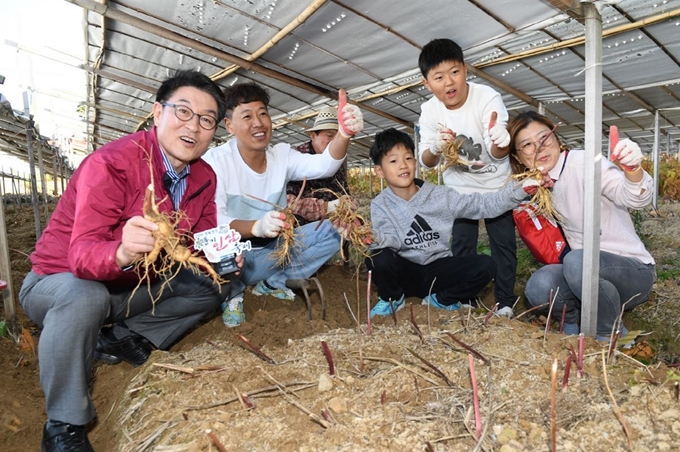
{"x": 314, "y": 203}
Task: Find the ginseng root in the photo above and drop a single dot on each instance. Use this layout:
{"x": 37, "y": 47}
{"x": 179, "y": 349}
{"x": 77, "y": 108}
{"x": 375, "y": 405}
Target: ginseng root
{"x": 169, "y": 254}
{"x": 542, "y": 199}
{"x": 358, "y": 228}
{"x": 451, "y": 156}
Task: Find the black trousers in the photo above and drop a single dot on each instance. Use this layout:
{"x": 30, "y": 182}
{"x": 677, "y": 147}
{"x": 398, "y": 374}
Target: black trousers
{"x": 501, "y": 231}
{"x": 455, "y": 278}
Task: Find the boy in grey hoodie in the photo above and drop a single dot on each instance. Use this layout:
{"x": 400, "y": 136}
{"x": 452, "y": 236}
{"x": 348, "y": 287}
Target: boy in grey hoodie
{"x": 411, "y": 253}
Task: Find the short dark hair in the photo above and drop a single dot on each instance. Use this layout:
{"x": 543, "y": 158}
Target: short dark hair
{"x": 436, "y": 52}
{"x": 196, "y": 80}
{"x": 244, "y": 93}
{"x": 386, "y": 140}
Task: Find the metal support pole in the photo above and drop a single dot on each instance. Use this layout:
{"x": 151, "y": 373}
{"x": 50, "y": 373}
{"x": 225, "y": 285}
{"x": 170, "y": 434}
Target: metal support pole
{"x": 370, "y": 179}
{"x": 55, "y": 174}
{"x": 43, "y": 182}
{"x": 655, "y": 157}
{"x": 31, "y": 165}
{"x": 593, "y": 170}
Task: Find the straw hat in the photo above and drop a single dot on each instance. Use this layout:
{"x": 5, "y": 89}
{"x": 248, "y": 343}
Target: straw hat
{"x": 327, "y": 119}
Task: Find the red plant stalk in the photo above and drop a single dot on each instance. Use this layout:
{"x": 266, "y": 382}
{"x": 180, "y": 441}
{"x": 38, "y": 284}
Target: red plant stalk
{"x": 575, "y": 359}
{"x": 677, "y": 391}
{"x": 329, "y": 357}
{"x": 394, "y": 314}
{"x": 612, "y": 346}
{"x": 248, "y": 401}
{"x": 567, "y": 369}
{"x": 383, "y": 398}
{"x": 553, "y": 406}
{"x": 564, "y": 312}
{"x": 475, "y": 395}
{"x": 581, "y": 339}
{"x": 368, "y": 303}
{"x": 490, "y": 313}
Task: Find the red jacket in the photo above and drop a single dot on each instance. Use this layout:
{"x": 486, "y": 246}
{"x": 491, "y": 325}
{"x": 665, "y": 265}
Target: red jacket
{"x": 104, "y": 192}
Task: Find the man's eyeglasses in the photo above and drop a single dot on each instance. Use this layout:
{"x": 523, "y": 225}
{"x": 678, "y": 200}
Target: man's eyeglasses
{"x": 185, "y": 113}
{"x": 544, "y": 139}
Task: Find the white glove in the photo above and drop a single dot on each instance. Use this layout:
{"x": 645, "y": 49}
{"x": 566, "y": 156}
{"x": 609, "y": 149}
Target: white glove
{"x": 499, "y": 136}
{"x": 350, "y": 118}
{"x": 444, "y": 135}
{"x": 530, "y": 186}
{"x": 269, "y": 225}
{"x": 628, "y": 154}
{"x": 332, "y": 205}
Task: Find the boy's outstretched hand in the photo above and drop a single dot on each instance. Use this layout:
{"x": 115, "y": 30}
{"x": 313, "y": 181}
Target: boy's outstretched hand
{"x": 350, "y": 118}
{"x": 530, "y": 186}
{"x": 499, "y": 135}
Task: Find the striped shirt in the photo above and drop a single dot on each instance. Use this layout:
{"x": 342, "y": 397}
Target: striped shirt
{"x": 175, "y": 184}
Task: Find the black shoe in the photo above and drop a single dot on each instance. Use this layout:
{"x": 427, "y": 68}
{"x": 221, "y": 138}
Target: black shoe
{"x": 60, "y": 437}
{"x": 132, "y": 348}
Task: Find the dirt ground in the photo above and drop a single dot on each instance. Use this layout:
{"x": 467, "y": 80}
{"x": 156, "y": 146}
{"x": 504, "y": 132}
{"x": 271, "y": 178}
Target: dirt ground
{"x": 391, "y": 390}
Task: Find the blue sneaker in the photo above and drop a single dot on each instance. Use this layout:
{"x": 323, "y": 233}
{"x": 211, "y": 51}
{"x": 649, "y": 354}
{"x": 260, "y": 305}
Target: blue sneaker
{"x": 262, "y": 288}
{"x": 383, "y": 308}
{"x": 432, "y": 301}
{"x": 232, "y": 311}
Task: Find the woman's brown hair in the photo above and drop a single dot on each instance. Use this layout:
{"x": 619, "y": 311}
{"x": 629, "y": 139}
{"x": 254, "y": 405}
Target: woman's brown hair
{"x": 517, "y": 124}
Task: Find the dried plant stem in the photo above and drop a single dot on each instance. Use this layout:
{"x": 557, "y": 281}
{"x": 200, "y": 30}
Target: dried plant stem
{"x": 216, "y": 441}
{"x": 429, "y": 294}
{"x": 256, "y": 349}
{"x": 542, "y": 305}
{"x": 475, "y": 396}
{"x": 415, "y": 325}
{"x": 564, "y": 313}
{"x": 403, "y": 366}
{"x": 301, "y": 385}
{"x": 329, "y": 357}
{"x": 432, "y": 366}
{"x": 350, "y": 308}
{"x": 547, "y": 324}
{"x": 553, "y": 406}
{"x": 468, "y": 348}
{"x": 617, "y": 410}
{"x": 312, "y": 416}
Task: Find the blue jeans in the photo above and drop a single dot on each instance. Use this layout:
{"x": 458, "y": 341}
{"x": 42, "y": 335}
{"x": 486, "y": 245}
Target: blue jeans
{"x": 312, "y": 249}
{"x": 622, "y": 280}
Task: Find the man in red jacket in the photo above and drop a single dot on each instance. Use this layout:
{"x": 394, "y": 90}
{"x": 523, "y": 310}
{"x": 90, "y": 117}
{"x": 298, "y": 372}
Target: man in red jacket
{"x": 82, "y": 276}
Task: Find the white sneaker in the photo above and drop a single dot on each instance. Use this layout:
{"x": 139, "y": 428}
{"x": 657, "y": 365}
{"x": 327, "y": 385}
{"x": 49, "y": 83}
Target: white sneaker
{"x": 506, "y": 311}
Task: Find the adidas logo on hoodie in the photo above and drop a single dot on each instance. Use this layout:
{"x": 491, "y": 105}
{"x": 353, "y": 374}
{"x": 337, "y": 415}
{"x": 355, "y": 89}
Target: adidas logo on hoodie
{"x": 421, "y": 234}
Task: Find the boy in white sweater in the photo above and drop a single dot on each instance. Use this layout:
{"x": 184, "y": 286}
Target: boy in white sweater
{"x": 475, "y": 116}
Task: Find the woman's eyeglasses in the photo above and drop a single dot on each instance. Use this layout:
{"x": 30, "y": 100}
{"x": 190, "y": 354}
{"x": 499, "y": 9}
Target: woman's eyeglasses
{"x": 544, "y": 139}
